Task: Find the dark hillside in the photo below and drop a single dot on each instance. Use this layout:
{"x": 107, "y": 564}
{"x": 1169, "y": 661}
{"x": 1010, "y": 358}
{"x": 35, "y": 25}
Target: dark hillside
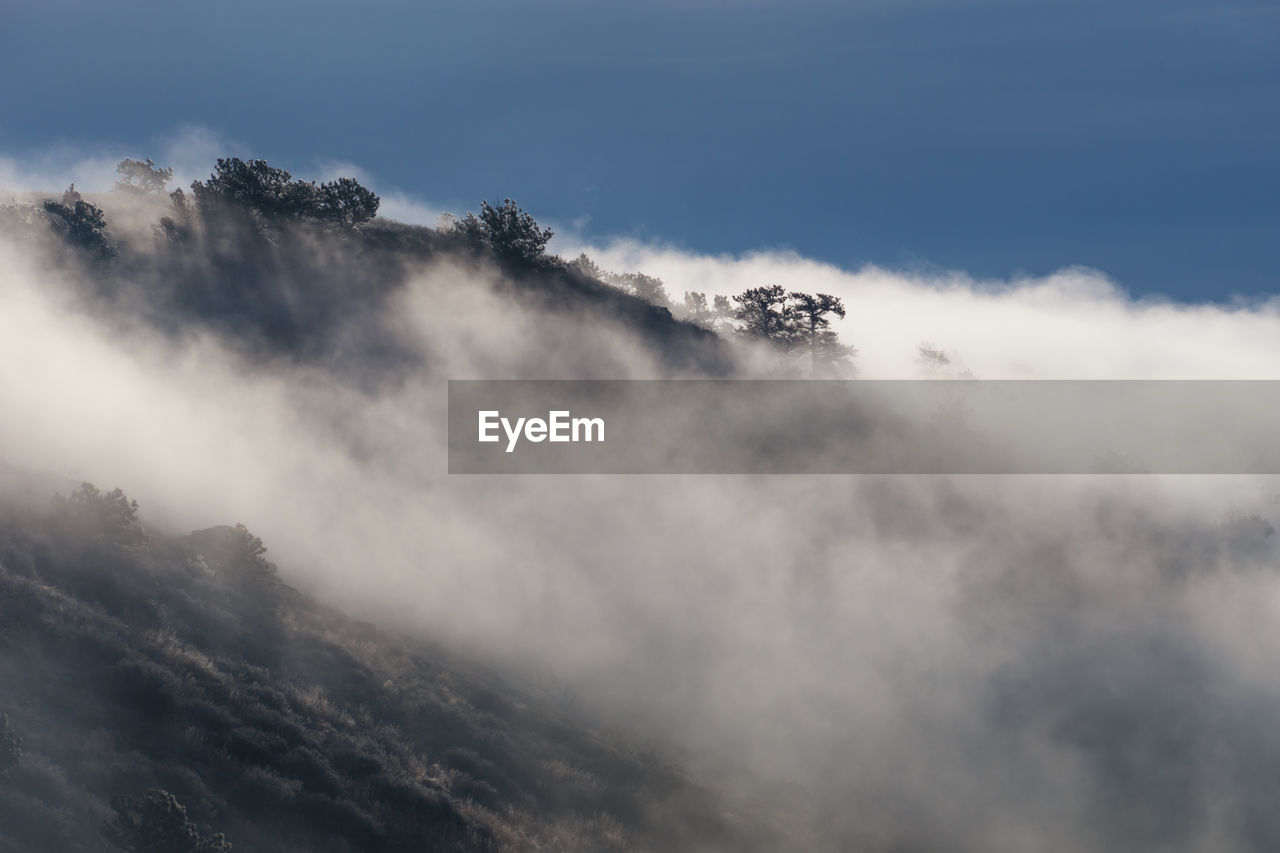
{"x": 132, "y": 661}
{"x": 173, "y": 686}
{"x": 267, "y": 263}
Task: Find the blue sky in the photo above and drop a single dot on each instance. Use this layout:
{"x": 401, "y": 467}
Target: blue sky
{"x": 1141, "y": 137}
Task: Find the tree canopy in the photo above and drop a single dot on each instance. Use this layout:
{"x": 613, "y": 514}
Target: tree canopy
{"x": 510, "y": 232}
{"x": 273, "y": 193}
{"x": 142, "y": 176}
{"x": 813, "y": 328}
{"x": 345, "y": 202}
{"x": 647, "y": 287}
{"x": 766, "y": 316}
{"x": 81, "y": 224}
{"x": 694, "y": 308}
{"x": 109, "y": 517}
{"x": 795, "y": 322}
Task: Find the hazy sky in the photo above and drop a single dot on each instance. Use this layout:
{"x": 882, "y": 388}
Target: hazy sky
{"x": 1139, "y": 137}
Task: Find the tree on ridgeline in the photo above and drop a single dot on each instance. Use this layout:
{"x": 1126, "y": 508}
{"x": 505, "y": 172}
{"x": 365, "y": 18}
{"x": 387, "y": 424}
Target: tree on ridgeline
{"x": 722, "y": 308}
{"x": 765, "y": 316}
{"x": 81, "y": 224}
{"x": 793, "y": 323}
{"x": 274, "y": 194}
{"x": 647, "y": 287}
{"x": 587, "y": 267}
{"x": 142, "y": 176}
{"x": 345, "y": 202}
{"x": 717, "y": 316}
{"x": 695, "y": 310}
{"x": 179, "y": 225}
{"x": 236, "y": 551}
{"x": 245, "y": 554}
{"x": 813, "y": 329}
{"x": 511, "y": 233}
{"x": 253, "y": 184}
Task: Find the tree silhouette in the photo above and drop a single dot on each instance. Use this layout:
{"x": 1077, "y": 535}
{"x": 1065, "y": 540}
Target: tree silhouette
{"x": 813, "y": 329}
{"x": 255, "y": 184}
{"x": 237, "y": 551}
{"x": 791, "y": 322}
{"x": 179, "y": 227}
{"x": 766, "y": 316}
{"x": 585, "y": 266}
{"x": 345, "y": 202}
{"x": 157, "y": 823}
{"x": 647, "y": 287}
{"x": 511, "y": 233}
{"x": 106, "y": 516}
{"x": 81, "y": 224}
{"x": 245, "y": 553}
{"x": 273, "y": 193}
{"x": 830, "y": 357}
{"x": 141, "y": 177}
{"x": 695, "y": 310}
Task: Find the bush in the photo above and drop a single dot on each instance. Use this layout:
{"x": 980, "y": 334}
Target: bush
{"x": 157, "y": 823}
{"x": 106, "y": 517}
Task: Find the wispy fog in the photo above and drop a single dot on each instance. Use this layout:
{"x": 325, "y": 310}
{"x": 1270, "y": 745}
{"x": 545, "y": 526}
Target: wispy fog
{"x": 1074, "y": 324}
{"x": 1029, "y": 664}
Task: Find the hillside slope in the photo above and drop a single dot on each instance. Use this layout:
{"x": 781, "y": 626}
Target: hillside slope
{"x": 133, "y": 661}
{"x": 277, "y": 285}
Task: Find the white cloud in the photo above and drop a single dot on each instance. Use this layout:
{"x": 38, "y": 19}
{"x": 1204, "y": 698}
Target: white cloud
{"x": 1074, "y": 324}
{"x": 917, "y": 655}
{"x": 395, "y": 203}
{"x": 191, "y": 150}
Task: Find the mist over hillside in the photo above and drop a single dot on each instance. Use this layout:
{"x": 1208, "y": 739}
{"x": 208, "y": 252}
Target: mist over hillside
{"x": 874, "y": 663}
{"x": 135, "y": 662}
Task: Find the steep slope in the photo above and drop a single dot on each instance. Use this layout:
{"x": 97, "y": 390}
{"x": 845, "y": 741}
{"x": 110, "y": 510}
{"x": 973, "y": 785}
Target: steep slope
{"x": 277, "y": 286}
{"x": 132, "y": 660}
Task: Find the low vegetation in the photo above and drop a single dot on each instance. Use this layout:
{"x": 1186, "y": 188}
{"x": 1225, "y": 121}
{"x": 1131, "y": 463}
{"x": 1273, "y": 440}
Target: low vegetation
{"x": 172, "y": 694}
{"x": 289, "y": 266}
